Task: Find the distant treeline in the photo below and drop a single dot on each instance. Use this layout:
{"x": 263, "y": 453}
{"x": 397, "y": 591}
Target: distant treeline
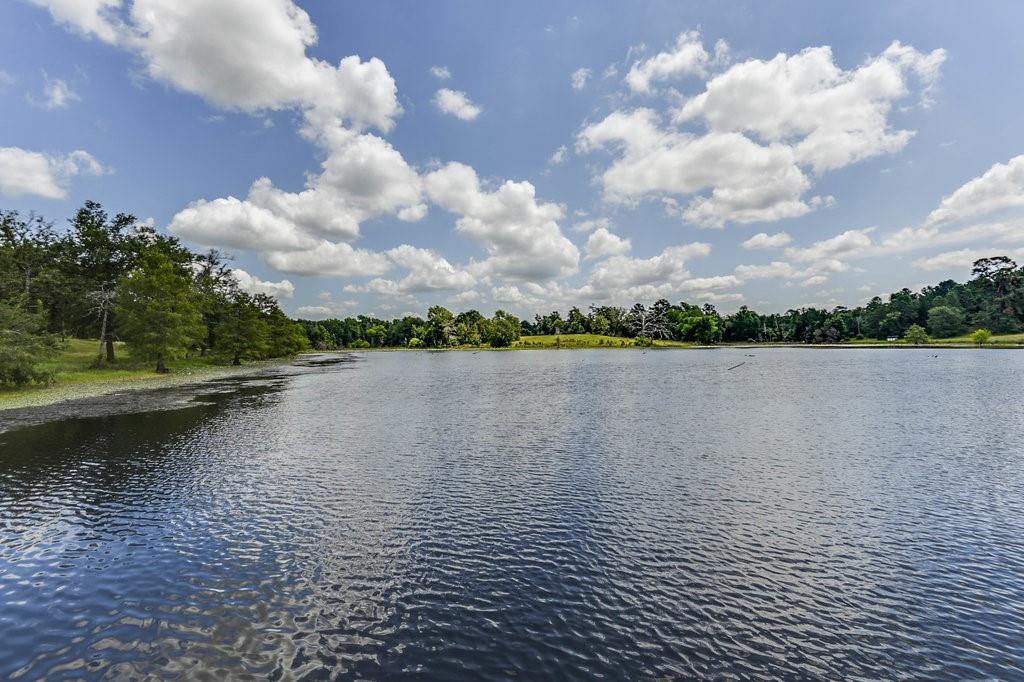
{"x": 111, "y": 278}
{"x": 992, "y": 300}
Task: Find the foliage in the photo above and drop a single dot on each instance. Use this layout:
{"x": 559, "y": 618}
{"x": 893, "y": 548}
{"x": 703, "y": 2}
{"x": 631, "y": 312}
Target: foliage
{"x": 981, "y": 336}
{"x": 916, "y": 335}
{"x": 22, "y": 346}
{"x": 69, "y": 283}
{"x": 158, "y": 308}
{"x": 945, "y": 321}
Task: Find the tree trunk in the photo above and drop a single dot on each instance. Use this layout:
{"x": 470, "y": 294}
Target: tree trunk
{"x": 161, "y": 368}
{"x": 237, "y": 360}
{"x": 103, "y": 333}
{"x": 110, "y": 350}
{"x": 28, "y": 283}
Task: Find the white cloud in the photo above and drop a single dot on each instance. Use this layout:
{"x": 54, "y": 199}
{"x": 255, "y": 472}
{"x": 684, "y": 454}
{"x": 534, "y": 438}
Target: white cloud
{"x": 687, "y": 57}
{"x": 440, "y": 72}
{"x": 246, "y": 55}
{"x": 1001, "y": 187}
{"x": 710, "y": 283}
{"x": 962, "y": 259}
{"x": 314, "y": 312}
{"x": 329, "y": 258}
{"x": 603, "y": 243}
{"x": 28, "y": 173}
{"x": 254, "y": 285}
{"x": 579, "y": 78}
{"x": 849, "y": 243}
{"x": 590, "y": 225}
{"x": 748, "y": 182}
{"x": 773, "y": 270}
{"x": 363, "y": 177}
{"x": 520, "y": 235}
{"x": 463, "y": 297}
{"x": 559, "y": 155}
{"x": 763, "y": 240}
{"x": 625, "y": 277}
{"x": 764, "y": 123}
{"x": 814, "y": 280}
{"x": 56, "y": 95}
{"x": 5, "y": 79}
{"x": 89, "y": 17}
{"x": 831, "y": 117}
{"x": 456, "y": 103}
{"x": 428, "y": 271}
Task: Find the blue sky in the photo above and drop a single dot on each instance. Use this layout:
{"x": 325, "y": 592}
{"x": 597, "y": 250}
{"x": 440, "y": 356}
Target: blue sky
{"x": 871, "y": 147}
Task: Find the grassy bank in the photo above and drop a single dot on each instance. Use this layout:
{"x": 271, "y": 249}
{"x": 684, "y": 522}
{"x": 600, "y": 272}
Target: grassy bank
{"x": 588, "y": 341}
{"x": 997, "y": 341}
{"x": 76, "y": 376}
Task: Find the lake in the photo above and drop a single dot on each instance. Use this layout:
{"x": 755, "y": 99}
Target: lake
{"x": 549, "y": 514}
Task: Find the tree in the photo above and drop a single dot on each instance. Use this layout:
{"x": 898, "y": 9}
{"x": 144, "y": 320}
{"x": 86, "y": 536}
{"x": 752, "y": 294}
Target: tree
{"x": 981, "y": 336}
{"x": 916, "y": 335}
{"x": 503, "y": 330}
{"x": 243, "y": 333}
{"x": 442, "y": 326}
{"x": 945, "y": 321}
{"x": 23, "y": 346}
{"x": 158, "y": 311}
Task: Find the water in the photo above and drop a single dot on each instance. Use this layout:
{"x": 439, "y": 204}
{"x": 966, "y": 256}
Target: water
{"x": 550, "y": 514}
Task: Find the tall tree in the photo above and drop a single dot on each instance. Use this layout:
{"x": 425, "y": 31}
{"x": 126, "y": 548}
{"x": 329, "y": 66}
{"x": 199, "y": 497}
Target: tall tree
{"x": 157, "y": 308}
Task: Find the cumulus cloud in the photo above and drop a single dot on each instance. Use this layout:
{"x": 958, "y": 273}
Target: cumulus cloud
{"x": 520, "y": 235}
{"x": 427, "y": 271}
{"x": 962, "y": 259}
{"x": 579, "y": 78}
{"x": 686, "y": 58}
{"x": 456, "y": 103}
{"x": 363, "y": 177}
{"x": 1001, "y": 187}
{"x": 329, "y": 258}
{"x": 639, "y": 278}
{"x": 602, "y": 243}
{"x": 831, "y": 117}
{"x": 88, "y": 17}
{"x": 586, "y": 226}
{"x": 254, "y": 285}
{"x": 559, "y": 155}
{"x": 440, "y": 72}
{"x": 740, "y": 150}
{"x": 29, "y": 173}
{"x": 849, "y": 243}
{"x": 763, "y": 240}
{"x": 747, "y": 182}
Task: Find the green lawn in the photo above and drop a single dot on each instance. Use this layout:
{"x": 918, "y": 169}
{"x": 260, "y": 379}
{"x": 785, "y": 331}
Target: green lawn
{"x": 998, "y": 340}
{"x": 75, "y": 364}
{"x": 587, "y": 341}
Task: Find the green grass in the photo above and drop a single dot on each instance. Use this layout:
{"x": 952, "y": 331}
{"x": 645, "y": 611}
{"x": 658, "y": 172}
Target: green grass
{"x": 75, "y": 364}
{"x": 998, "y": 340}
{"x": 587, "y": 341}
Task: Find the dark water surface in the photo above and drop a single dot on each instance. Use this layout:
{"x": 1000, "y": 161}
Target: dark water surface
{"x": 562, "y": 514}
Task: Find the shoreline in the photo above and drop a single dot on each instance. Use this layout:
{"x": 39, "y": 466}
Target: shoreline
{"x": 56, "y": 394}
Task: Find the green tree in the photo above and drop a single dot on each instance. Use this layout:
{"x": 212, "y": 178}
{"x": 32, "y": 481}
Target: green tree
{"x": 243, "y": 333}
{"x": 981, "y": 336}
{"x": 916, "y": 335}
{"x": 442, "y": 326}
{"x": 503, "y": 330}
{"x": 945, "y": 321}
{"x": 23, "y": 345}
{"x": 157, "y": 308}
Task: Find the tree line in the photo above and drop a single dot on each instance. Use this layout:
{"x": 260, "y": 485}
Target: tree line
{"x": 992, "y": 301}
{"x": 111, "y": 278}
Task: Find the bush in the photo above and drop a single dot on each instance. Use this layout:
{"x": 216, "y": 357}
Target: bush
{"x": 981, "y": 336}
{"x": 359, "y": 343}
{"x": 23, "y": 347}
